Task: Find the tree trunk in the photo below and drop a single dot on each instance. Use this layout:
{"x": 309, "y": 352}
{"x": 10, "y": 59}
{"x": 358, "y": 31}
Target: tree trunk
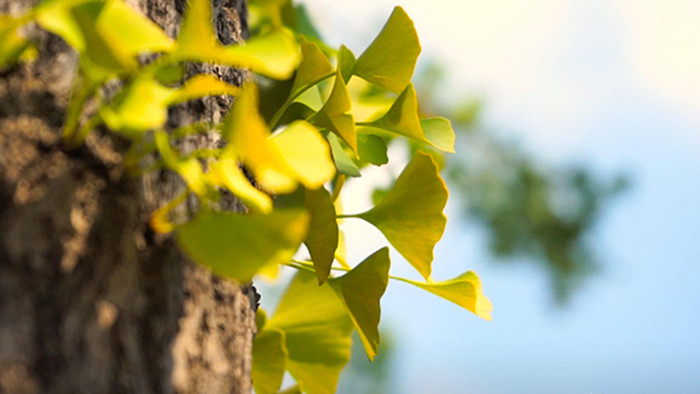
{"x": 91, "y": 300}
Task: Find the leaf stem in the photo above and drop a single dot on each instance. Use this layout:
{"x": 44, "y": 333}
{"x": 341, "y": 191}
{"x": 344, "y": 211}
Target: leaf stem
{"x": 278, "y": 115}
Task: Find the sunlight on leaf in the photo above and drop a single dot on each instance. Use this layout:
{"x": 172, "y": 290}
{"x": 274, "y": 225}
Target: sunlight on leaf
{"x": 322, "y": 239}
{"x": 238, "y": 246}
{"x": 402, "y": 117}
{"x": 202, "y": 85}
{"x": 391, "y": 58}
{"x": 227, "y": 174}
{"x": 274, "y": 54}
{"x": 317, "y": 330}
{"x": 249, "y": 141}
{"x": 269, "y": 360}
{"x": 410, "y": 215}
{"x": 464, "y": 290}
{"x": 140, "y": 106}
{"x": 360, "y": 290}
{"x": 121, "y": 25}
{"x": 439, "y": 132}
{"x": 306, "y": 153}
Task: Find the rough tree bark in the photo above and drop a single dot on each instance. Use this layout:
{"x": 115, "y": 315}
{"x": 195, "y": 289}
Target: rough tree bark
{"x": 91, "y": 301}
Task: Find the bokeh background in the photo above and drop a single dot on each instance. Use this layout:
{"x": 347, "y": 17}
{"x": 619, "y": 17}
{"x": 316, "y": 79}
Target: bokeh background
{"x": 585, "y": 116}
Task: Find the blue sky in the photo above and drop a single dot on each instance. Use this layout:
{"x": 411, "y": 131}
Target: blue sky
{"x": 614, "y": 85}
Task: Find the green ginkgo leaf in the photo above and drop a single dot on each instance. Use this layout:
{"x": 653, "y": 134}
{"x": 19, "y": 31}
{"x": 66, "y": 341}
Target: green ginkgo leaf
{"x": 402, "y": 117}
{"x": 372, "y": 149}
{"x": 464, "y": 290}
{"x": 334, "y": 115}
{"x": 238, "y": 246}
{"x": 440, "y": 133}
{"x": 410, "y": 215}
{"x": 313, "y": 68}
{"x": 317, "y": 331}
{"x": 274, "y": 54}
{"x": 346, "y": 62}
{"x": 322, "y": 239}
{"x": 360, "y": 290}
{"x": 343, "y": 162}
{"x": 391, "y": 58}
{"x": 269, "y": 360}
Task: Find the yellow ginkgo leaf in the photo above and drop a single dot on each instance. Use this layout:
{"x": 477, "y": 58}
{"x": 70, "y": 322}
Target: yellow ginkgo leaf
{"x": 202, "y": 85}
{"x": 391, "y": 58}
{"x": 249, "y": 141}
{"x": 306, "y": 153}
{"x": 410, "y": 215}
{"x": 464, "y": 290}
{"x": 225, "y": 173}
{"x": 274, "y": 54}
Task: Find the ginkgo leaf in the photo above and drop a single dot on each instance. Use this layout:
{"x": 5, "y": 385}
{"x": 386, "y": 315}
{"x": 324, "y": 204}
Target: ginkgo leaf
{"x": 274, "y": 54}
{"x": 189, "y": 168}
{"x": 227, "y": 174}
{"x": 56, "y": 17}
{"x": 11, "y": 44}
{"x": 306, "y": 153}
{"x": 372, "y": 149}
{"x": 342, "y": 160}
{"x": 322, "y": 239}
{"x": 269, "y": 360}
{"x": 391, "y": 58}
{"x": 202, "y": 85}
{"x": 410, "y": 215}
{"x": 360, "y": 290}
{"x": 141, "y": 105}
{"x": 197, "y": 36}
{"x": 402, "y": 117}
{"x": 249, "y": 141}
{"x": 440, "y": 133}
{"x": 238, "y": 246}
{"x": 334, "y": 114}
{"x": 121, "y": 25}
{"x": 464, "y": 290}
{"x": 98, "y": 50}
{"x": 346, "y": 62}
{"x": 317, "y": 331}
{"x": 314, "y": 67}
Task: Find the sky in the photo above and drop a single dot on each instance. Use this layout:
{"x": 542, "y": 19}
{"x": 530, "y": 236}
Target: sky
{"x": 614, "y": 85}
